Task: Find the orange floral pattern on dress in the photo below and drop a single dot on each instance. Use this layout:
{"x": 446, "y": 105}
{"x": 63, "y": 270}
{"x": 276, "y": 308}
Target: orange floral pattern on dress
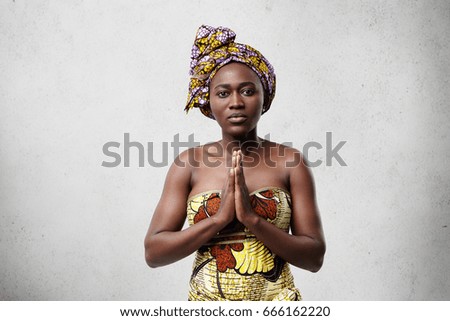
{"x": 208, "y": 209}
{"x": 223, "y": 255}
{"x": 265, "y": 206}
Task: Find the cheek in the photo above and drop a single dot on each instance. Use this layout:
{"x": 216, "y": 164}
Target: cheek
{"x": 213, "y": 102}
{"x": 259, "y": 104}
{"x": 216, "y": 105}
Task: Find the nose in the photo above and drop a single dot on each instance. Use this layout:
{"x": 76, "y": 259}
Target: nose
{"x": 236, "y": 101}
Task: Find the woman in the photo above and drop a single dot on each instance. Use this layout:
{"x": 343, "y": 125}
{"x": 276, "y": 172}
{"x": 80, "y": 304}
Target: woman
{"x": 242, "y": 241}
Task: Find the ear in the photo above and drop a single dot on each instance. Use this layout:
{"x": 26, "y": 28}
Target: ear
{"x": 265, "y": 106}
{"x": 207, "y": 112}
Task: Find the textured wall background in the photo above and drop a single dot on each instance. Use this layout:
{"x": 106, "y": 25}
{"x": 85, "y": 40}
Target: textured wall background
{"x": 77, "y": 74}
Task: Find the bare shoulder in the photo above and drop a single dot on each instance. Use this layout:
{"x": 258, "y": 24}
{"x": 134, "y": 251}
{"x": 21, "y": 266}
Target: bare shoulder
{"x": 285, "y": 156}
{"x": 194, "y": 158}
{"x": 188, "y": 162}
{"x": 180, "y": 172}
{"x": 292, "y": 165}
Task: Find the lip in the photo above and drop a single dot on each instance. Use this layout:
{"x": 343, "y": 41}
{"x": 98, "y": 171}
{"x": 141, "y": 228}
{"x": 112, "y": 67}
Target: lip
{"x": 237, "y": 118}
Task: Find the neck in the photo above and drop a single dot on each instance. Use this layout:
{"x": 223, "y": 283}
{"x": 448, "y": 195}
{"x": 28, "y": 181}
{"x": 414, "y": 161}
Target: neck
{"x": 244, "y": 143}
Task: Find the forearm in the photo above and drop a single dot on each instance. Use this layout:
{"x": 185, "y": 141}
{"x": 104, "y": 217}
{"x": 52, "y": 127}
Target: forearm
{"x": 302, "y": 251}
{"x": 166, "y": 247}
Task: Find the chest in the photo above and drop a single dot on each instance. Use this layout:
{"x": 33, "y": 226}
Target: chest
{"x": 257, "y": 175}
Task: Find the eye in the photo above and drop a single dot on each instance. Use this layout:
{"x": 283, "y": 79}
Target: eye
{"x": 248, "y": 91}
{"x": 222, "y": 94}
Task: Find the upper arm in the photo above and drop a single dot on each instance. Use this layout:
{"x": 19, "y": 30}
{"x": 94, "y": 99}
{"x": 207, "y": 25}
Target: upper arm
{"x": 170, "y": 213}
{"x": 305, "y": 219}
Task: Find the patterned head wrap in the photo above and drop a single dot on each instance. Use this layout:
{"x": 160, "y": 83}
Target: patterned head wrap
{"x": 213, "y": 48}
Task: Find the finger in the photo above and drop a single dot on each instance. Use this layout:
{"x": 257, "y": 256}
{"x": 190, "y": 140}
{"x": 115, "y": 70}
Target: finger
{"x": 237, "y": 173}
{"x": 238, "y": 158}
{"x": 236, "y": 164}
{"x": 232, "y": 160}
{"x": 240, "y": 172}
{"x": 231, "y": 179}
{"x": 240, "y": 187}
{"x": 241, "y": 163}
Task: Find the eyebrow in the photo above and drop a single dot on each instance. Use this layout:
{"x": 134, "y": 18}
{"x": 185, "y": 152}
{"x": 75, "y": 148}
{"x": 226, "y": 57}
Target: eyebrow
{"x": 242, "y": 84}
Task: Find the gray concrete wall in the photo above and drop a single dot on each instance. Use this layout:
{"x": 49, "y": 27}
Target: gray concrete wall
{"x": 75, "y": 75}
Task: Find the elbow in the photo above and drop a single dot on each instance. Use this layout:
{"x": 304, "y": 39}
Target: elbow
{"x": 317, "y": 260}
{"x": 150, "y": 257}
{"x": 316, "y": 266}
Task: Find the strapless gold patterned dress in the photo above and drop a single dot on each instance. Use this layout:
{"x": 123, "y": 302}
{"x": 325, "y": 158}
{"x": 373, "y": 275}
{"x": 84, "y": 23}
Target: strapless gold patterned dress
{"x": 235, "y": 265}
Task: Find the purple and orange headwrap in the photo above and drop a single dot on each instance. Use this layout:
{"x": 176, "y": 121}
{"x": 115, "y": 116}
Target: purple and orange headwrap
{"x": 215, "y": 47}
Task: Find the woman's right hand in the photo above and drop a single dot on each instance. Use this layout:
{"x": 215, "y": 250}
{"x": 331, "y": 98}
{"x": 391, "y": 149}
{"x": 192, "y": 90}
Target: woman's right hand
{"x": 226, "y": 212}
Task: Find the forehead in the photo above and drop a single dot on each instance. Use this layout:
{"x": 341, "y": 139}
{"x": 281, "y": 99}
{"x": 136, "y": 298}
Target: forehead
{"x": 235, "y": 72}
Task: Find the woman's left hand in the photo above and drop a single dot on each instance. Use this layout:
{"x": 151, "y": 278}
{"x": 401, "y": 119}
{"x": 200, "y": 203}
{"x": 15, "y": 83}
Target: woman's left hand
{"x": 243, "y": 207}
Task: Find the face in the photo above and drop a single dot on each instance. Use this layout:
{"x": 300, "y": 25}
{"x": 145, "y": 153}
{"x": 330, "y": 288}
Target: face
{"x": 236, "y": 99}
